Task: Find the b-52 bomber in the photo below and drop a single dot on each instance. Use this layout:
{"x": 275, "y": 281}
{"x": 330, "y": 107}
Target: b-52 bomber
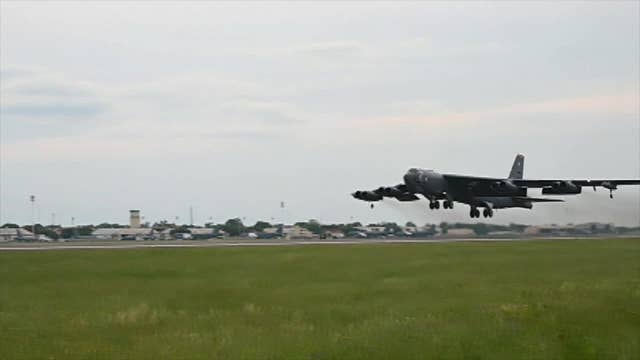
{"x": 482, "y": 192}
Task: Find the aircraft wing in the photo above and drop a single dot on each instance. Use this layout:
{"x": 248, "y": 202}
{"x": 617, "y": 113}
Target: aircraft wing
{"x": 482, "y": 186}
{"x": 398, "y": 192}
{"x": 530, "y": 199}
{"x": 604, "y": 183}
{"x": 517, "y": 187}
{"x": 464, "y": 180}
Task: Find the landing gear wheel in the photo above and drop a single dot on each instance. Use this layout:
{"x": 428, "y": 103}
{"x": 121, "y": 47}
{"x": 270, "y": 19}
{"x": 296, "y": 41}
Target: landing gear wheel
{"x": 436, "y": 205}
{"x": 448, "y": 204}
{"x": 485, "y": 213}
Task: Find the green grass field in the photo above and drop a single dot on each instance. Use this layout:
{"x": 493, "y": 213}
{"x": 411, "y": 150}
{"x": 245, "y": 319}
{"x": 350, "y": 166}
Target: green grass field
{"x": 574, "y": 299}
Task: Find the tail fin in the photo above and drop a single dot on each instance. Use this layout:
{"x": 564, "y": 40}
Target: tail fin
{"x": 517, "y": 170}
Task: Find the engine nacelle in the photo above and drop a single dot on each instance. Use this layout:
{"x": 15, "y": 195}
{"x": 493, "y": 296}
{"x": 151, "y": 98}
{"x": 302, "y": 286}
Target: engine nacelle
{"x": 406, "y": 197}
{"x": 505, "y": 187}
{"x": 367, "y": 196}
{"x": 562, "y": 188}
{"x": 391, "y": 191}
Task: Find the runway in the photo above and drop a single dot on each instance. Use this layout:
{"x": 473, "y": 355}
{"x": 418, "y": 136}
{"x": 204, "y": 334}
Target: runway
{"x": 86, "y": 245}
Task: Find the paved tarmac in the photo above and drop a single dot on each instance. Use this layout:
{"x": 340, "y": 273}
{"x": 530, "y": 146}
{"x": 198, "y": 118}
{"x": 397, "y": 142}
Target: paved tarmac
{"x": 84, "y": 245}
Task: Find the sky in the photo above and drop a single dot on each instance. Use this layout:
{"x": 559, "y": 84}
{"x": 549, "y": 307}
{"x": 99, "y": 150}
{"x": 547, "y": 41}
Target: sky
{"x": 233, "y": 108}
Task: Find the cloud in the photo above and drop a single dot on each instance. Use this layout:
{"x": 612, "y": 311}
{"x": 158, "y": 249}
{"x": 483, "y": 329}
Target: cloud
{"x": 35, "y": 103}
{"x": 253, "y": 135}
{"x": 431, "y": 47}
{"x": 627, "y": 103}
{"x": 33, "y": 93}
{"x": 14, "y": 72}
{"x": 209, "y": 101}
{"x": 330, "y": 49}
{"x": 54, "y": 110}
{"x": 266, "y": 113}
{"x": 624, "y": 103}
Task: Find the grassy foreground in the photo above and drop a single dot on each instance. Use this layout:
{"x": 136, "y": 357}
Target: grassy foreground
{"x": 577, "y": 299}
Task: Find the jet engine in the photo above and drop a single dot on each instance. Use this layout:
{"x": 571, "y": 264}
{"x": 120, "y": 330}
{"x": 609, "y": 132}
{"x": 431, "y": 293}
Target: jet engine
{"x": 391, "y": 191}
{"x": 562, "y": 188}
{"x": 367, "y": 196}
{"x": 505, "y": 187}
{"x": 406, "y": 197}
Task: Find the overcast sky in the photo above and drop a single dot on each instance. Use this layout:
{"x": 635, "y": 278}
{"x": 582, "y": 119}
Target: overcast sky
{"x": 232, "y": 108}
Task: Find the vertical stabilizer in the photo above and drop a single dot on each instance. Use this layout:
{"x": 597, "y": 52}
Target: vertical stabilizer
{"x": 517, "y": 170}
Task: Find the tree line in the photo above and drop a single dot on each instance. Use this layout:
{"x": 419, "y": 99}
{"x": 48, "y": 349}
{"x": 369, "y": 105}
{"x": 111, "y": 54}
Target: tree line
{"x": 236, "y": 227}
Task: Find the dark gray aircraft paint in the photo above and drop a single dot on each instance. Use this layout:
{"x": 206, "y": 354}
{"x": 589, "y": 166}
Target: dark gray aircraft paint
{"x": 482, "y": 192}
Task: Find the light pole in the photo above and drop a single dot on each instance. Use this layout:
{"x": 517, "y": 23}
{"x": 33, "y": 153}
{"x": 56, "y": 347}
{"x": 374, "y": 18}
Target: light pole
{"x": 32, "y": 198}
{"x": 282, "y": 212}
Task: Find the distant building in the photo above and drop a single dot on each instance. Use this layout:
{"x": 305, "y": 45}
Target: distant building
{"x": 333, "y": 234}
{"x": 164, "y": 234}
{"x": 595, "y": 228}
{"x": 124, "y": 233}
{"x": 426, "y": 230}
{"x": 357, "y": 234}
{"x": 377, "y": 229}
{"x": 569, "y": 229}
{"x": 203, "y": 233}
{"x": 15, "y": 234}
{"x": 298, "y": 232}
{"x": 271, "y": 230}
{"x": 134, "y": 218}
{"x": 409, "y": 230}
{"x": 532, "y": 230}
{"x": 504, "y": 234}
{"x": 372, "y": 229}
{"x": 460, "y": 233}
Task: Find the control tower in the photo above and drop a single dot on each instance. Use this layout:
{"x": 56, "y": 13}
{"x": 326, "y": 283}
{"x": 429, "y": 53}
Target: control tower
{"x": 134, "y": 218}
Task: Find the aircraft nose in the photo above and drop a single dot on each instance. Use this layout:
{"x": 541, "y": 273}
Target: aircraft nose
{"x": 411, "y": 177}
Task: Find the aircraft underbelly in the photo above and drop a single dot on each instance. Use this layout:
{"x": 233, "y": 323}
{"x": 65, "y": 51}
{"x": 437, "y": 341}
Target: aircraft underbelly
{"x": 503, "y": 202}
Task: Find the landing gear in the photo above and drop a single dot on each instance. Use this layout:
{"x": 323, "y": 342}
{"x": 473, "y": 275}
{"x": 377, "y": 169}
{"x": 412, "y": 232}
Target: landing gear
{"x": 447, "y": 204}
{"x": 371, "y": 205}
{"x": 609, "y": 186}
{"x": 434, "y": 205}
{"x": 488, "y": 212}
{"x": 475, "y": 213}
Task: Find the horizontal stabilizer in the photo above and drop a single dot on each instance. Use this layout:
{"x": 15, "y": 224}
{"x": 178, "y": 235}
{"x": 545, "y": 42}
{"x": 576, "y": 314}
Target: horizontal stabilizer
{"x": 524, "y": 198}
